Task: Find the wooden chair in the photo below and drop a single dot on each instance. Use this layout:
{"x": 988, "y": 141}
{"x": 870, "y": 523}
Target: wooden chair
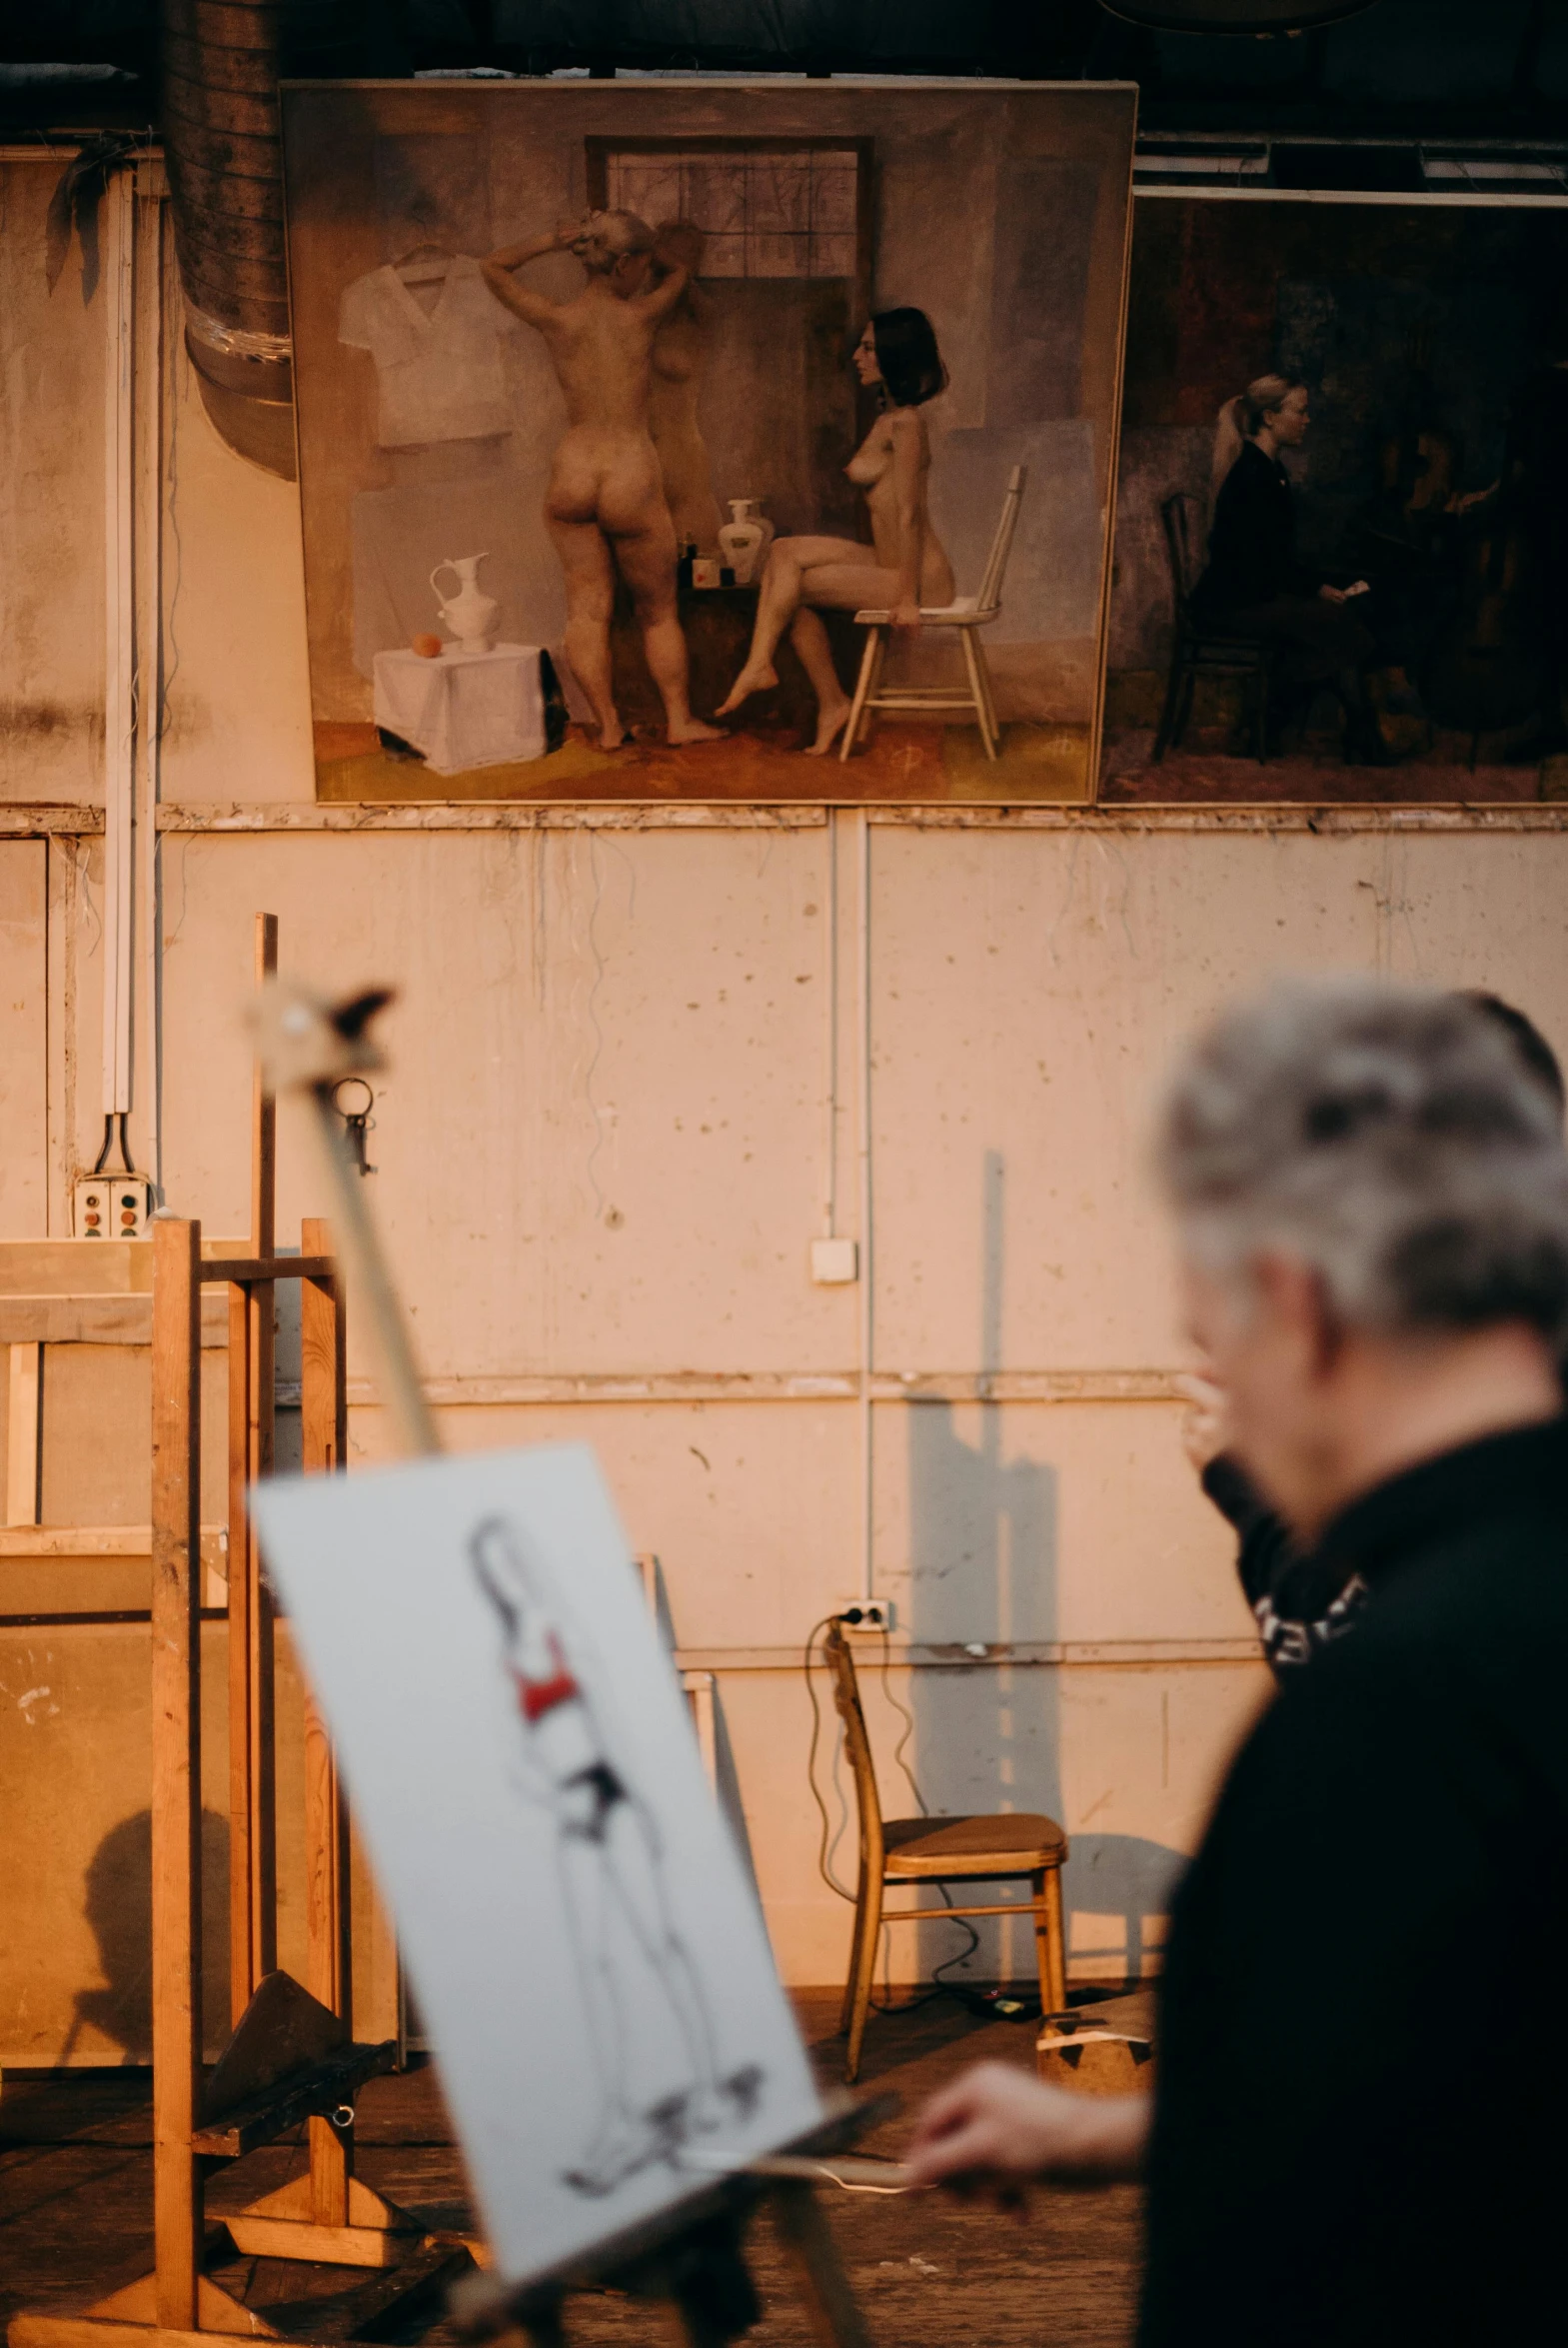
{"x": 1197, "y": 651}
{"x": 967, "y": 614}
{"x": 998, "y": 1849}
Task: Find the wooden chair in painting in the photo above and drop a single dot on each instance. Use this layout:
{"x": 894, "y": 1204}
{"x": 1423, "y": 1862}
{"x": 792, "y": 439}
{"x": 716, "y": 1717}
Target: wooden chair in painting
{"x": 1006, "y": 1849}
{"x": 1198, "y": 651}
{"x": 965, "y": 617}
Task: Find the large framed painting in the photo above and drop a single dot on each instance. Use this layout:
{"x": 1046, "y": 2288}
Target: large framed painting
{"x": 677, "y": 440}
{"x": 1343, "y": 537}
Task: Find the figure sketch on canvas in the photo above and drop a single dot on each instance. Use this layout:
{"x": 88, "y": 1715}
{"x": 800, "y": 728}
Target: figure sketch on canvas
{"x": 902, "y": 569}
{"x": 631, "y": 1957}
{"x": 606, "y": 508}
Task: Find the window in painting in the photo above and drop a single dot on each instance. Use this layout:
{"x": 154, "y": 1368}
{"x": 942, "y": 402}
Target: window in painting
{"x": 764, "y": 211}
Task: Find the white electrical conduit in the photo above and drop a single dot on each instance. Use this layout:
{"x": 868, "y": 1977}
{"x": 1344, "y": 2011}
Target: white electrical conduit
{"x": 862, "y": 936}
{"x": 831, "y": 1037}
{"x": 117, "y": 234}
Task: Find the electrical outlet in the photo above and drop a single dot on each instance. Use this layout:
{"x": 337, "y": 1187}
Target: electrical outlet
{"x": 113, "y": 1206}
{"x": 864, "y": 1614}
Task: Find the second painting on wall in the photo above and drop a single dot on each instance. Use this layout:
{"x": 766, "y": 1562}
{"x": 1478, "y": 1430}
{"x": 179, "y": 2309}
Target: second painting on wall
{"x": 1342, "y": 514}
{"x": 639, "y": 424}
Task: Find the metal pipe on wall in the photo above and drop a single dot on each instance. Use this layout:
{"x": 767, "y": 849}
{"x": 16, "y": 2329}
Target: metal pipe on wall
{"x": 155, "y": 283}
{"x": 118, "y": 232}
{"x": 863, "y": 935}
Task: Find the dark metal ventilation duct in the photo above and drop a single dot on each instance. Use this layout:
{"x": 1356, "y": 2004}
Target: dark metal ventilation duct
{"x": 221, "y": 141}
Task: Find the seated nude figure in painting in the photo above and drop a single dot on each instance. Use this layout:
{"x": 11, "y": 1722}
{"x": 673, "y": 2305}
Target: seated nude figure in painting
{"x": 904, "y": 567}
{"x": 606, "y": 508}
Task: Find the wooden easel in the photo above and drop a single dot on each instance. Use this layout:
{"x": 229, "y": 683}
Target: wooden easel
{"x": 690, "y": 2260}
{"x": 292, "y": 2056}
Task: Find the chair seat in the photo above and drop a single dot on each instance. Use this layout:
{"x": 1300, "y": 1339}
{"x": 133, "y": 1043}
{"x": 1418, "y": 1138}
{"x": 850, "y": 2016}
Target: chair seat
{"x": 1011, "y": 1843}
{"x": 963, "y": 612}
{"x": 1202, "y": 646}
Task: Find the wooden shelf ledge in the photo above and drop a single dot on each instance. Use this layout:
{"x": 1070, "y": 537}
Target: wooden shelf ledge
{"x": 95, "y": 1318}
{"x": 102, "y": 1541}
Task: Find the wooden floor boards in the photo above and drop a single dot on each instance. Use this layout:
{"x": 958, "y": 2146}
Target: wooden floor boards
{"x": 76, "y": 2189}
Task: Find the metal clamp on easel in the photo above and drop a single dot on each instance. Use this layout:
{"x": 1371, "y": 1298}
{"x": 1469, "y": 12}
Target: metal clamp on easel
{"x": 692, "y": 2258}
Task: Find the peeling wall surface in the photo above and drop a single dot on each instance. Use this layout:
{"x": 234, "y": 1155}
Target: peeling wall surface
{"x": 627, "y": 1092}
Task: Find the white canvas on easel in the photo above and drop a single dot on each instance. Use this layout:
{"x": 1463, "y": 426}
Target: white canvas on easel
{"x": 587, "y": 1955}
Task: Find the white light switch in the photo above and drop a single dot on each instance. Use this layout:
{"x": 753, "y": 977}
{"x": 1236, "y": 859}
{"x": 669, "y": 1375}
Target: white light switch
{"x": 834, "y": 1261}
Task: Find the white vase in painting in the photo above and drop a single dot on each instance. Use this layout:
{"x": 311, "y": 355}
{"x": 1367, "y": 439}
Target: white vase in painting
{"x": 746, "y": 538}
{"x": 469, "y": 614}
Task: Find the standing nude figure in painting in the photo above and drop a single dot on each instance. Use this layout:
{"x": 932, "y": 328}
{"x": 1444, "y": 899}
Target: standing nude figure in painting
{"x": 604, "y": 507}
{"x": 680, "y": 356}
{"x": 611, "y": 1858}
{"x": 904, "y": 567}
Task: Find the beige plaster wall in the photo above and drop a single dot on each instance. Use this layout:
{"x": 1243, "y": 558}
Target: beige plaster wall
{"x": 602, "y": 1149}
{"x": 52, "y": 383}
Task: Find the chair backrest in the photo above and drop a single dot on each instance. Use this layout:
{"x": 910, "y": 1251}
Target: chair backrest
{"x": 847, "y": 1696}
{"x": 989, "y": 597}
{"x": 1177, "y": 514}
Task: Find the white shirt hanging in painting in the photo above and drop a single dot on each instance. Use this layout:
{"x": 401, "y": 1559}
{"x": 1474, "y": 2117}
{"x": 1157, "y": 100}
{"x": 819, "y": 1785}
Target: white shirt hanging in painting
{"x": 438, "y": 371}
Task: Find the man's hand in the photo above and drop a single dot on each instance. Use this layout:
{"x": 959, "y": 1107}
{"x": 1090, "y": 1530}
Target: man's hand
{"x": 906, "y": 617}
{"x": 999, "y": 2127}
{"x": 1331, "y": 594}
{"x": 1205, "y": 1426}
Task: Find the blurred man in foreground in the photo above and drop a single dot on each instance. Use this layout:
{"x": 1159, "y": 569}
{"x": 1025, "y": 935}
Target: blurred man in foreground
{"x": 1348, "y": 2143}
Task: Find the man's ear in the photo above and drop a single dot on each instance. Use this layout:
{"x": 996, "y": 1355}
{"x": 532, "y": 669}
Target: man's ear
{"x": 1293, "y": 1293}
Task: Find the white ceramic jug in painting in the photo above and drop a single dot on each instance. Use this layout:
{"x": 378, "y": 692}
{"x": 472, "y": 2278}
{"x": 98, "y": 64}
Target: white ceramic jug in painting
{"x": 469, "y": 614}
{"x": 745, "y": 539}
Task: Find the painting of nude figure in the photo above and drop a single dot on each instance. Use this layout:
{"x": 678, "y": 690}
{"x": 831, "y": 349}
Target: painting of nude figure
{"x": 664, "y": 442}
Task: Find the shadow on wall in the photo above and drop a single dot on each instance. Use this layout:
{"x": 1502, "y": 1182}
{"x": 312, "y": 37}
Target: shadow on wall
{"x": 118, "y": 1906}
{"x": 984, "y": 1569}
{"x": 1118, "y": 1894}
{"x": 726, "y": 1782}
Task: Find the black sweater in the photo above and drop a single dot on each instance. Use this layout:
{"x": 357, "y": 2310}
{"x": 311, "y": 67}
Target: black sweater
{"x": 1351, "y": 2145}
{"x": 1252, "y": 556}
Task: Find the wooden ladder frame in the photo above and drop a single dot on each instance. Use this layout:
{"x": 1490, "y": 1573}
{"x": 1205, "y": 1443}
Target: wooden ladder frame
{"x": 291, "y": 2055}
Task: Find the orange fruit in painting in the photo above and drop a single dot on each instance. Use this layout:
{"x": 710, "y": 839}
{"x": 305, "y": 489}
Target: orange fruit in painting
{"x": 428, "y": 646}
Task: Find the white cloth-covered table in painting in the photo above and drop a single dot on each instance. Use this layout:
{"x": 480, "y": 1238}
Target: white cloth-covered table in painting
{"x": 467, "y": 709}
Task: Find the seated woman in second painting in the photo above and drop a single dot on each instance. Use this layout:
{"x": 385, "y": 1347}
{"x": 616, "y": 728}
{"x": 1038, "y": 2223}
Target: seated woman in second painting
{"x": 904, "y": 567}
{"x": 1257, "y": 586}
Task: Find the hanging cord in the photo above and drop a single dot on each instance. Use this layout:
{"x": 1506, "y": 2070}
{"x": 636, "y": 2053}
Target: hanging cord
{"x": 114, "y": 1118}
{"x": 824, "y": 1855}
{"x": 898, "y": 1706}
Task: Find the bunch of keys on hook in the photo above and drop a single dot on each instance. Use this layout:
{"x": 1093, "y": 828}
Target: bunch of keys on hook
{"x": 357, "y": 1123}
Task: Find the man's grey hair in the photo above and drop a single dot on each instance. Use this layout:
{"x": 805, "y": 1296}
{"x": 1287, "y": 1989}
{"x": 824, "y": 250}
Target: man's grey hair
{"x": 1391, "y": 1138}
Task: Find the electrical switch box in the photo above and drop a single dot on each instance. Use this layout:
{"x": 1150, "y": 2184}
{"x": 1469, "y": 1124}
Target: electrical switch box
{"x": 113, "y": 1206}
{"x": 834, "y": 1261}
